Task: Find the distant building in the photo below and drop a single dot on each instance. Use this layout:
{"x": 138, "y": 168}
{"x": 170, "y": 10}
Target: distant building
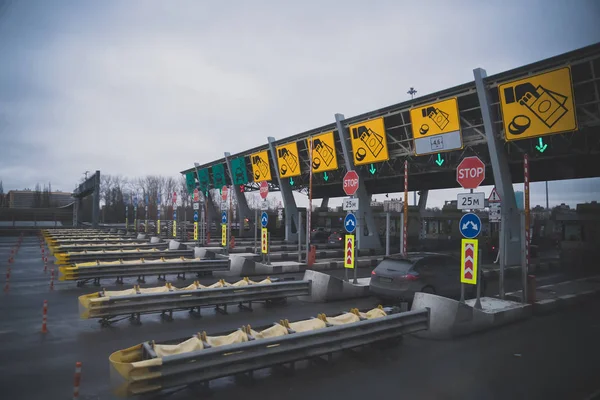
{"x": 26, "y": 199}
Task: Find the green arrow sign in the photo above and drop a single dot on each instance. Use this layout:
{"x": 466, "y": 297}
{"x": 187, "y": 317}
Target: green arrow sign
{"x": 439, "y": 160}
{"x": 325, "y": 176}
{"x": 372, "y": 170}
{"x": 292, "y": 181}
{"x": 541, "y": 147}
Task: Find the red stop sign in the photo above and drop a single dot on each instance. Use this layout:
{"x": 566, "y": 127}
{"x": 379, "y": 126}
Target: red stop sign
{"x": 470, "y": 172}
{"x": 224, "y": 192}
{"x": 174, "y": 197}
{"x": 350, "y": 183}
{"x": 264, "y": 189}
{"x": 196, "y": 196}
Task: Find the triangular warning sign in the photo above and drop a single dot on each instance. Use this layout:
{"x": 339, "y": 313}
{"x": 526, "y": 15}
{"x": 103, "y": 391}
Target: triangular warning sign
{"x": 494, "y": 196}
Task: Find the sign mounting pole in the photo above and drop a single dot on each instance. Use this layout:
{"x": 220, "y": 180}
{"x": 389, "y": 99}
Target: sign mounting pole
{"x": 525, "y": 266}
{"x": 405, "y": 222}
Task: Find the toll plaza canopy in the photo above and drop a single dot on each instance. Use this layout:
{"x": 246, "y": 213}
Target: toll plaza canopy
{"x": 549, "y": 109}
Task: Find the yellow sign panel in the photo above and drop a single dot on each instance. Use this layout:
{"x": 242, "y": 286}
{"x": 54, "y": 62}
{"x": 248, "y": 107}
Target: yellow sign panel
{"x": 469, "y": 260}
{"x": 434, "y": 119}
{"x": 264, "y": 242}
{"x": 369, "y": 143}
{"x": 195, "y": 231}
{"x": 174, "y": 229}
{"x": 324, "y": 157}
{"x": 223, "y": 235}
{"x": 349, "y": 251}
{"x": 538, "y": 105}
{"x": 158, "y": 227}
{"x": 260, "y": 166}
{"x": 288, "y": 160}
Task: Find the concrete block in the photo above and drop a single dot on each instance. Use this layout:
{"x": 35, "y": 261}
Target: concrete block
{"x": 174, "y": 245}
{"x": 155, "y": 239}
{"x": 326, "y": 288}
{"x": 141, "y": 236}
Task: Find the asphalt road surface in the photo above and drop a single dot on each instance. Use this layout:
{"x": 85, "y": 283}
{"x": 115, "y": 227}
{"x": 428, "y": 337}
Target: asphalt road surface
{"x": 550, "y": 357}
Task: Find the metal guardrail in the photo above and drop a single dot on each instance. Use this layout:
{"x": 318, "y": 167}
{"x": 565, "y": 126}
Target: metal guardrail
{"x": 147, "y": 303}
{"x": 77, "y": 257}
{"x": 107, "y": 246}
{"x": 101, "y": 240}
{"x": 207, "y": 364}
{"x": 141, "y": 269}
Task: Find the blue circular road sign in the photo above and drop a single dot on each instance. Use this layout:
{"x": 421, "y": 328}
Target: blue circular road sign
{"x": 264, "y": 219}
{"x": 195, "y": 216}
{"x": 350, "y": 223}
{"x": 470, "y": 225}
{"x": 224, "y": 217}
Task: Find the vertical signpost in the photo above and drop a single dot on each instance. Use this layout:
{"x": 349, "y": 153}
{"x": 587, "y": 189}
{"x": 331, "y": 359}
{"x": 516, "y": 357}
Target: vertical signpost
{"x": 470, "y": 173}
{"x": 174, "y": 214}
{"x": 264, "y": 237}
{"x": 146, "y": 208}
{"x": 350, "y": 186}
{"x": 135, "y": 204}
{"x": 126, "y": 214}
{"x": 224, "y": 219}
{"x": 405, "y": 214}
{"x": 196, "y": 206}
{"x": 158, "y": 213}
{"x": 525, "y": 262}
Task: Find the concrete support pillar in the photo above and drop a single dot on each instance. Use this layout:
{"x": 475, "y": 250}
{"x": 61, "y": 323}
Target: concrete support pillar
{"x": 423, "y": 201}
{"x": 240, "y": 199}
{"x": 287, "y": 196}
{"x": 96, "y": 200}
{"x": 367, "y": 233}
{"x": 213, "y": 212}
{"x": 324, "y": 204}
{"x": 510, "y": 223}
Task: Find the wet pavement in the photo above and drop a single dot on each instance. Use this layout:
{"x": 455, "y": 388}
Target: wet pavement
{"x": 545, "y": 357}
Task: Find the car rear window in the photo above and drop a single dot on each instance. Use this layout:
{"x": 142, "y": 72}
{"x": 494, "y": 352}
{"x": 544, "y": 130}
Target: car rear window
{"x": 395, "y": 265}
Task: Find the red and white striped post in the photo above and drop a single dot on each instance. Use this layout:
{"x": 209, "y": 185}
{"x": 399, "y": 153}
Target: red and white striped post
{"x": 52, "y": 279}
{"x": 7, "y": 286}
{"x": 405, "y": 225}
{"x": 44, "y": 317}
{"x": 526, "y": 206}
{"x": 77, "y": 380}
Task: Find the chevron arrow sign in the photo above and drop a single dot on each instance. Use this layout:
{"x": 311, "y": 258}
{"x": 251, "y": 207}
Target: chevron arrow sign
{"x": 468, "y": 267}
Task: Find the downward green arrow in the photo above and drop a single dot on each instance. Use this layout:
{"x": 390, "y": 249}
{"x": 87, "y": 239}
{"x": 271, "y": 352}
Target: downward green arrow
{"x": 439, "y": 160}
{"x": 325, "y": 176}
{"x": 292, "y": 181}
{"x": 372, "y": 170}
{"x": 541, "y": 147}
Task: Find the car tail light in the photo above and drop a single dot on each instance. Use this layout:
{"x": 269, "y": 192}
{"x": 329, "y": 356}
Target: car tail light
{"x": 373, "y": 273}
{"x": 340, "y": 238}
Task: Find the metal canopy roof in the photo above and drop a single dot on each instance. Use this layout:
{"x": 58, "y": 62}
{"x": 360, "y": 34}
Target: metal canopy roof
{"x": 572, "y": 154}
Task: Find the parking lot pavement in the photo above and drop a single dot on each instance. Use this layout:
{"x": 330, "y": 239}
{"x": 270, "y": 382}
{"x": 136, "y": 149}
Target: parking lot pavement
{"x": 545, "y": 357}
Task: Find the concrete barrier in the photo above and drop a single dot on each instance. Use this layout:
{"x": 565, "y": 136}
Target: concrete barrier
{"x": 329, "y": 288}
{"x": 154, "y": 239}
{"x": 449, "y": 318}
{"x": 174, "y": 245}
{"x": 141, "y": 236}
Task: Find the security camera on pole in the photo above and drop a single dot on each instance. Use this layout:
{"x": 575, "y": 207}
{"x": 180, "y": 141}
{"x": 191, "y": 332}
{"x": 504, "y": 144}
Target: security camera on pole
{"x": 350, "y": 185}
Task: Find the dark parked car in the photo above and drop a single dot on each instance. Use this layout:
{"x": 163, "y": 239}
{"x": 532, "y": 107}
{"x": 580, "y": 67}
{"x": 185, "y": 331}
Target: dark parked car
{"x": 336, "y": 239}
{"x": 319, "y": 235}
{"x": 398, "y": 277}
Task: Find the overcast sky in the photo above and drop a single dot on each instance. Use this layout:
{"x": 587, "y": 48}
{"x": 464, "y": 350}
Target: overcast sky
{"x": 150, "y": 87}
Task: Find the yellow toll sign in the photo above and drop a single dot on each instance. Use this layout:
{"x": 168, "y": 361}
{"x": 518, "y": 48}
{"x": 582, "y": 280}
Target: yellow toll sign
{"x": 324, "y": 157}
{"x": 435, "y": 118}
{"x": 260, "y": 166}
{"x": 174, "y": 229}
{"x": 369, "y": 143}
{"x": 436, "y": 127}
{"x": 288, "y": 160}
{"x": 223, "y": 235}
{"x": 538, "y": 105}
{"x": 195, "y": 231}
